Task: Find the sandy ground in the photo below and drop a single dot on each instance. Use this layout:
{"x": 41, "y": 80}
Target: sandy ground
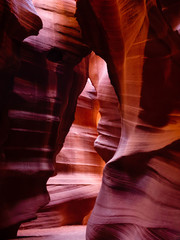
{"x": 62, "y": 233}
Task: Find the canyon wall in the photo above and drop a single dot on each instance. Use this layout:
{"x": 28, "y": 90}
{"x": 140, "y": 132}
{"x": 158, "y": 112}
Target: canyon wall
{"x": 128, "y": 89}
{"x": 138, "y": 198}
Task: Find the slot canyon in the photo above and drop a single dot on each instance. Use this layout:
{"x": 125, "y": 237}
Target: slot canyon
{"x": 90, "y": 119}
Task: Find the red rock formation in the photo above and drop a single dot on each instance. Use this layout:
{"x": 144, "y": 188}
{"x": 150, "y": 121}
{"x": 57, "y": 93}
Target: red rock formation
{"x": 139, "y": 196}
{"x": 42, "y": 104}
{"x": 109, "y": 125}
{"x": 79, "y": 168}
{"x": 142, "y": 55}
{"x": 18, "y": 20}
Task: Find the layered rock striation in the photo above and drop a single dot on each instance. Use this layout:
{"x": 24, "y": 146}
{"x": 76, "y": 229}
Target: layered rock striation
{"x": 19, "y": 20}
{"x": 140, "y": 187}
{"x": 139, "y": 127}
{"x": 44, "y": 92}
{"x": 109, "y": 124}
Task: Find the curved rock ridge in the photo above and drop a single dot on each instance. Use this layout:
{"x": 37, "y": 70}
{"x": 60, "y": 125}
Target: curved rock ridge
{"x": 61, "y": 33}
{"x": 139, "y": 196}
{"x": 22, "y": 19}
{"x": 18, "y": 21}
{"x": 109, "y": 125}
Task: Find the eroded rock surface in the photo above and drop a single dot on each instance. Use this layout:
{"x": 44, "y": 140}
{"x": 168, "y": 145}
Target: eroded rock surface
{"x": 138, "y": 197}
{"x": 18, "y": 20}
{"x": 42, "y": 104}
{"x": 109, "y": 125}
{"x": 79, "y": 169}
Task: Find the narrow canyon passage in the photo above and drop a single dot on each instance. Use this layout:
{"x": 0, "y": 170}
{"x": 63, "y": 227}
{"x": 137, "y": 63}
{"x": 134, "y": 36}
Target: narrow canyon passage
{"x": 90, "y": 119}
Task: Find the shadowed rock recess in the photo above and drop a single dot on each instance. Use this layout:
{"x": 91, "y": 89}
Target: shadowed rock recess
{"x": 90, "y": 119}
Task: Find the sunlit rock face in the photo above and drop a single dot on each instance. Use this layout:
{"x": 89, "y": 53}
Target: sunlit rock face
{"x": 60, "y": 30}
{"x": 140, "y": 188}
{"x": 109, "y": 125}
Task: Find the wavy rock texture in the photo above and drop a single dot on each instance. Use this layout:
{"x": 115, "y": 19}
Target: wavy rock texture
{"x": 15, "y": 26}
{"x": 18, "y": 20}
{"x": 41, "y": 108}
{"x": 109, "y": 125}
{"x": 139, "y": 196}
{"x": 79, "y": 169}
